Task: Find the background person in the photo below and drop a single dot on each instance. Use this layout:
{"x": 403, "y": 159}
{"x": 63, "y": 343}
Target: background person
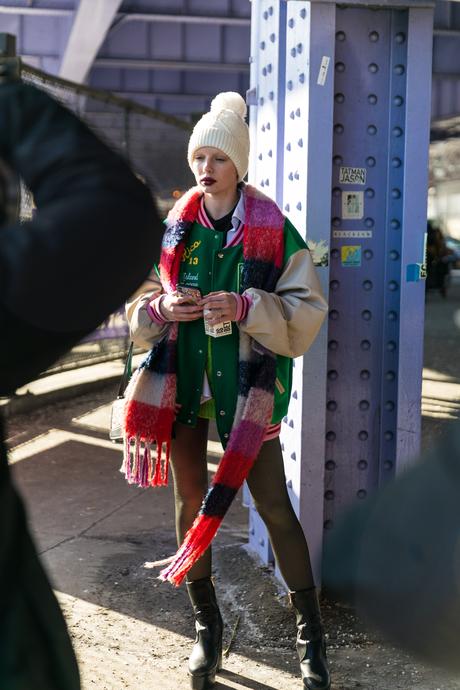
{"x": 438, "y": 260}
{"x": 231, "y": 256}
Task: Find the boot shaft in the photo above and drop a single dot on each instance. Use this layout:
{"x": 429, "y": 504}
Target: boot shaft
{"x": 202, "y": 596}
{"x": 308, "y": 613}
{"x": 311, "y": 646}
{"x": 206, "y": 657}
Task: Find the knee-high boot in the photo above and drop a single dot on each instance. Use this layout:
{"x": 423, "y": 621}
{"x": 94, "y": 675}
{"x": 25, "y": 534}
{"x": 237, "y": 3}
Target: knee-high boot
{"x": 206, "y": 657}
{"x": 311, "y": 646}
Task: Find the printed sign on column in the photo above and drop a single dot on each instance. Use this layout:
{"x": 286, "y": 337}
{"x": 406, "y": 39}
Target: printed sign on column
{"x": 352, "y": 205}
{"x": 322, "y": 75}
{"x": 351, "y": 255}
{"x": 352, "y": 176}
{"x": 423, "y": 273}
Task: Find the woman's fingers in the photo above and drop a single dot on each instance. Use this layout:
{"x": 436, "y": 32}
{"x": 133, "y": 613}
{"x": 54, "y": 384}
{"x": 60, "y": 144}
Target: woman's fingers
{"x": 179, "y": 308}
{"x": 186, "y": 313}
{"x": 217, "y": 301}
{"x": 213, "y": 297}
{"x": 215, "y": 307}
{"x": 218, "y": 307}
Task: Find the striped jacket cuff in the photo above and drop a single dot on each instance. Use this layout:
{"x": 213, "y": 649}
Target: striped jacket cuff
{"x": 153, "y": 310}
{"x": 243, "y": 302}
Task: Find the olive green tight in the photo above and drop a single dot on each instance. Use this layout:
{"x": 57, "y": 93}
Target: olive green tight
{"x": 267, "y": 484}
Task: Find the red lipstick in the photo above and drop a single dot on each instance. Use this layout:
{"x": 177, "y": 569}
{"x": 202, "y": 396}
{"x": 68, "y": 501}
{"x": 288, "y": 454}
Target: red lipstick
{"x": 207, "y": 181}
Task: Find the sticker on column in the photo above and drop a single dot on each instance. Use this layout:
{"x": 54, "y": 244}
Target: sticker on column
{"x": 324, "y": 67}
{"x": 423, "y": 273}
{"x": 352, "y": 205}
{"x": 351, "y": 255}
{"x": 362, "y": 234}
{"x": 414, "y": 273}
{"x": 352, "y": 176}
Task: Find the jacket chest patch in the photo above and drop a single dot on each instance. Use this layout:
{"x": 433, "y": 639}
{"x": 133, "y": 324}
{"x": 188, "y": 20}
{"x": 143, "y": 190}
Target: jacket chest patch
{"x": 188, "y": 257}
{"x": 190, "y": 278}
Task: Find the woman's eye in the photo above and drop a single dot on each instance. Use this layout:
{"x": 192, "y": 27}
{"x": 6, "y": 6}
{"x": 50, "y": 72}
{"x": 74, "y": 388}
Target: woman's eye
{"x": 221, "y": 160}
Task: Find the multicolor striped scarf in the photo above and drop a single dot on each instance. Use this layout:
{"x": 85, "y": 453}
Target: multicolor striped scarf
{"x": 151, "y": 393}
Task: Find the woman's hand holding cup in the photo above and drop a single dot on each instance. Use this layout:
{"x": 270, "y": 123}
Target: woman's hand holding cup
{"x": 218, "y": 307}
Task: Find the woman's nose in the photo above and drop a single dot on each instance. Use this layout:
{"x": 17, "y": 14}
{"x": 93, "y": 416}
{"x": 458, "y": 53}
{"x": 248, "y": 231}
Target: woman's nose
{"x": 207, "y": 164}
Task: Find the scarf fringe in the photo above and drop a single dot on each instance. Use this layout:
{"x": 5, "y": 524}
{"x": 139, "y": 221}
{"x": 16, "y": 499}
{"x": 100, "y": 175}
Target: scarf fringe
{"x": 196, "y": 541}
{"x": 140, "y": 468}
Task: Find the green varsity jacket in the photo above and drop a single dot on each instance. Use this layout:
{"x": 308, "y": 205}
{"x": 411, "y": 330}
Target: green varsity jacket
{"x": 285, "y": 321}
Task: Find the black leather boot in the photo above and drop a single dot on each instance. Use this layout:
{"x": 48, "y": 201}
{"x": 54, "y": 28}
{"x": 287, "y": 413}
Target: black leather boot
{"x": 206, "y": 657}
{"x": 311, "y": 646}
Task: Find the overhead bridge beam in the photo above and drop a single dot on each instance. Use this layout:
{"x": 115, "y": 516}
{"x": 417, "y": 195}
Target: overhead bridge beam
{"x": 167, "y": 65}
{"x": 453, "y": 76}
{"x": 92, "y": 21}
{"x": 185, "y": 19}
{"x": 123, "y": 17}
{"x": 447, "y": 33}
{"x": 35, "y": 11}
{"x": 185, "y": 65}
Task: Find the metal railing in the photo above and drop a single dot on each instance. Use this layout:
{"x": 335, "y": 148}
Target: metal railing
{"x": 153, "y": 142}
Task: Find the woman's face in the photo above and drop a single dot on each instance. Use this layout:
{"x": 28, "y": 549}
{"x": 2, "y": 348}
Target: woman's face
{"x": 214, "y": 171}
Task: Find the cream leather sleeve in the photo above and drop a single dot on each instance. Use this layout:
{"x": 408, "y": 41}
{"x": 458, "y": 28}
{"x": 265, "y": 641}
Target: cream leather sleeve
{"x": 145, "y": 332}
{"x": 288, "y": 320}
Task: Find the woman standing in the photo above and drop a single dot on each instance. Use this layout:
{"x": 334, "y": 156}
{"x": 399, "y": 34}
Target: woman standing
{"x": 235, "y": 298}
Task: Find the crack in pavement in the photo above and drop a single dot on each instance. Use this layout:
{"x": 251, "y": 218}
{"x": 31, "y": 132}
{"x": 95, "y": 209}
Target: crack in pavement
{"x": 66, "y": 540}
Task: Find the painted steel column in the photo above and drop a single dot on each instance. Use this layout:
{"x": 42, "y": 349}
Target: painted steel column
{"x": 352, "y": 146}
{"x": 266, "y": 100}
{"x": 379, "y": 192}
{"x": 292, "y": 51}
{"x": 417, "y": 134}
{"x": 268, "y": 67}
{"x": 310, "y": 47}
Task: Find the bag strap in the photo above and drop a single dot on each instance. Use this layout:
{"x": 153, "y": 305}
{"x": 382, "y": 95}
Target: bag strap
{"x": 127, "y": 372}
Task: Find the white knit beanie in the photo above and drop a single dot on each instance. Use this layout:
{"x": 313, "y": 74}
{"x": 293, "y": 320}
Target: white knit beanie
{"x": 224, "y": 128}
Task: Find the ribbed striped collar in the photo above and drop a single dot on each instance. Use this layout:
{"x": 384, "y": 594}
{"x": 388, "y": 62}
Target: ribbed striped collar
{"x": 237, "y": 218}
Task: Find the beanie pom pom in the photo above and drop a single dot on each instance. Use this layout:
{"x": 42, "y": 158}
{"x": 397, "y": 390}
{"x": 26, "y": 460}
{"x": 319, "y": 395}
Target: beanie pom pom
{"x": 229, "y": 100}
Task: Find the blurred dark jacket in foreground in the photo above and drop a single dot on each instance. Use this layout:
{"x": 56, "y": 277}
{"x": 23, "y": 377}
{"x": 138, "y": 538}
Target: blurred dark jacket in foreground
{"x": 95, "y": 237}
{"x": 397, "y": 557}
